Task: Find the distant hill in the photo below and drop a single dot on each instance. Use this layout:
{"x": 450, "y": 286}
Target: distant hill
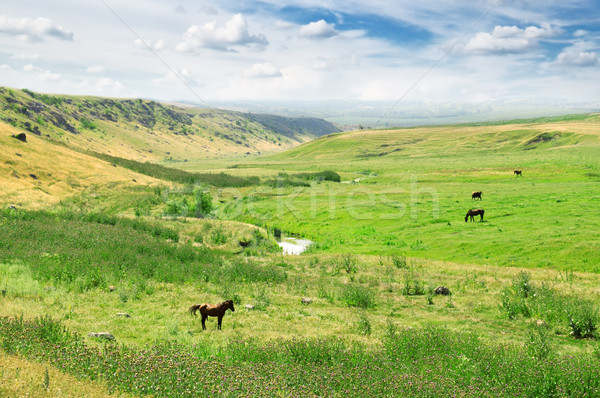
{"x": 151, "y": 131}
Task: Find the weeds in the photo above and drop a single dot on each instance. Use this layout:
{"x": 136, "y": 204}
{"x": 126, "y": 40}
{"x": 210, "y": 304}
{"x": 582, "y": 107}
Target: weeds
{"x": 523, "y": 298}
{"x": 413, "y": 284}
{"x": 363, "y": 325}
{"x": 354, "y": 295}
{"x": 410, "y": 362}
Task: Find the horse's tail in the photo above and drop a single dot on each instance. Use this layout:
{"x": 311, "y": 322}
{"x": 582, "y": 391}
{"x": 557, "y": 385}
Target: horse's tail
{"x": 194, "y": 308}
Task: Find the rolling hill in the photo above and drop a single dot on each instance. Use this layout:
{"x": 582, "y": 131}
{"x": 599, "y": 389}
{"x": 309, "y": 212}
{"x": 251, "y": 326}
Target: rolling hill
{"x": 151, "y": 131}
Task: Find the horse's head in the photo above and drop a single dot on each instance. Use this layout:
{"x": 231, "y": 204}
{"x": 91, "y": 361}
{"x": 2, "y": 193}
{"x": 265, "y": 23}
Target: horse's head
{"x": 230, "y": 305}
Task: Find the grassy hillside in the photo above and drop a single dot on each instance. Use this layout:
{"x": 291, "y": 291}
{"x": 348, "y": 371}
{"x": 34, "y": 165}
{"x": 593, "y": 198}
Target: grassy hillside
{"x": 39, "y": 174}
{"x": 359, "y": 314}
{"x": 412, "y": 189}
{"x": 151, "y": 131}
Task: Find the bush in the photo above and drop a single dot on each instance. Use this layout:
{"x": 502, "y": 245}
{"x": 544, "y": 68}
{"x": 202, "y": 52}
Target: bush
{"x": 513, "y": 304}
{"x": 522, "y": 286}
{"x": 399, "y": 260}
{"x": 87, "y": 124}
{"x": 582, "y": 318}
{"x": 358, "y": 296}
{"x": 413, "y": 285}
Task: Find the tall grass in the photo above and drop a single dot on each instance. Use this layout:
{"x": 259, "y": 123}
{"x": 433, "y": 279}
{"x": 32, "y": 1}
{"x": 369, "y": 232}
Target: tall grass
{"x": 180, "y": 176}
{"x": 94, "y": 251}
{"x": 414, "y": 362}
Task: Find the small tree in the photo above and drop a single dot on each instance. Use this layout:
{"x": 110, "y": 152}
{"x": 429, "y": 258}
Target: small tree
{"x": 203, "y": 201}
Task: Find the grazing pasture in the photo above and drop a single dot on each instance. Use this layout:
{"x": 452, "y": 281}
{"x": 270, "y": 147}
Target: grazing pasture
{"x": 397, "y": 297}
{"x": 414, "y": 186}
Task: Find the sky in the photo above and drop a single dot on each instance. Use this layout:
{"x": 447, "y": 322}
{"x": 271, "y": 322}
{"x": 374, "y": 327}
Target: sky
{"x": 208, "y": 51}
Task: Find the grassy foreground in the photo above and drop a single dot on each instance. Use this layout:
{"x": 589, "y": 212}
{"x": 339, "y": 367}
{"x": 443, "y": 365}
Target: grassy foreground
{"x": 373, "y": 318}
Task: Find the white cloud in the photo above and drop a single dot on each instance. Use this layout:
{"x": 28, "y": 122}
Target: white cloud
{"x": 145, "y": 44}
{"x": 94, "y": 69}
{"x": 109, "y": 85}
{"x": 318, "y": 30}
{"x": 571, "y": 57}
{"x": 281, "y": 24}
{"x": 5, "y": 67}
{"x": 508, "y": 39}
{"x": 24, "y": 56}
{"x": 183, "y": 74}
{"x": 33, "y": 29}
{"x": 210, "y": 35}
{"x": 41, "y": 74}
{"x": 159, "y": 45}
{"x": 262, "y": 70}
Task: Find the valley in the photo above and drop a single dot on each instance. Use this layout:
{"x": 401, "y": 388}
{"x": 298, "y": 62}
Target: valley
{"x": 145, "y": 209}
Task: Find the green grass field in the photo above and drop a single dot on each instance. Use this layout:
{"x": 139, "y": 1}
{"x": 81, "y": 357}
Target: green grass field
{"x": 415, "y": 189}
{"x": 521, "y": 320}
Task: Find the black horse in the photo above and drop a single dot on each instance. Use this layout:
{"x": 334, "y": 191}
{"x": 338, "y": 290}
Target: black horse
{"x": 474, "y": 212}
{"x": 518, "y": 173}
{"x": 476, "y": 194}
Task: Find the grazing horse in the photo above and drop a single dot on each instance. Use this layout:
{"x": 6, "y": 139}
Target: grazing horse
{"x": 207, "y": 310}
{"x": 476, "y": 194}
{"x": 518, "y": 173}
{"x": 474, "y": 212}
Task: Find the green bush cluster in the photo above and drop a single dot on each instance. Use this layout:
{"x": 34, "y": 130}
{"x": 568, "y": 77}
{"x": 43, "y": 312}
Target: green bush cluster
{"x": 578, "y": 314}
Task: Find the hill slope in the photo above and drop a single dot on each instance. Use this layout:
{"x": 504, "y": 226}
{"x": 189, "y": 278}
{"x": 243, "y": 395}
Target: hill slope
{"x": 412, "y": 188}
{"x": 452, "y": 140}
{"x": 152, "y": 131}
{"x": 38, "y": 173}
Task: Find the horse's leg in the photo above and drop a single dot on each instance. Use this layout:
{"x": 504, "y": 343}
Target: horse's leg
{"x": 204, "y": 316}
{"x": 219, "y": 322}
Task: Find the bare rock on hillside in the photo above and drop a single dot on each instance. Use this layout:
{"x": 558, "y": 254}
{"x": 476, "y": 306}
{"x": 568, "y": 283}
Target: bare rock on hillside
{"x": 21, "y": 137}
{"x": 306, "y": 300}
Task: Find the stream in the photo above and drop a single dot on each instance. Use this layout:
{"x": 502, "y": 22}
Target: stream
{"x": 293, "y": 246}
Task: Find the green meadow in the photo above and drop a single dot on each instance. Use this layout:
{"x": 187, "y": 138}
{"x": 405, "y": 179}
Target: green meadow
{"x": 413, "y": 189}
{"x": 359, "y": 313}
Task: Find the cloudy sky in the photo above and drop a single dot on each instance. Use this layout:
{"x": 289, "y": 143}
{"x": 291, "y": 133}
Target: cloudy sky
{"x": 203, "y": 51}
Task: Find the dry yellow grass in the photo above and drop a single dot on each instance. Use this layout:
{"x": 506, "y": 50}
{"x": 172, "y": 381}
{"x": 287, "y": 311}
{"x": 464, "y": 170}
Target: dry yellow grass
{"x": 22, "y": 378}
{"x": 59, "y": 172}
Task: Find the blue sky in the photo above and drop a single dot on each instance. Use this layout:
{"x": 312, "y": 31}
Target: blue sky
{"x": 203, "y": 51}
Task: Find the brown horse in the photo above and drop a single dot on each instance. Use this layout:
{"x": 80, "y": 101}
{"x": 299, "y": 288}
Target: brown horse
{"x": 476, "y": 194}
{"x": 207, "y": 310}
{"x": 518, "y": 173}
{"x": 474, "y": 212}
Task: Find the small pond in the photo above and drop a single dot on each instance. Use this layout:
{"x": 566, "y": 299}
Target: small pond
{"x": 293, "y": 246}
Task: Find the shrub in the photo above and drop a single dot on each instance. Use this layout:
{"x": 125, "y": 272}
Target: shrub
{"x": 399, "y": 260}
{"x": 522, "y": 286}
{"x": 413, "y": 285}
{"x": 358, "y": 296}
{"x": 582, "y": 317}
{"x": 87, "y": 124}
{"x": 514, "y": 304}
